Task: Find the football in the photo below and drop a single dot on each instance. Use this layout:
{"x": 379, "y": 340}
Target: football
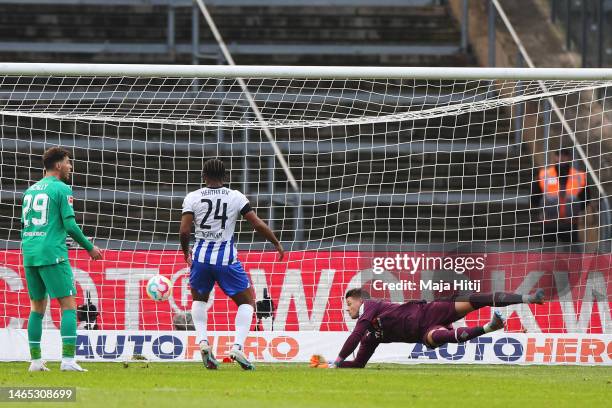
{"x": 159, "y": 288}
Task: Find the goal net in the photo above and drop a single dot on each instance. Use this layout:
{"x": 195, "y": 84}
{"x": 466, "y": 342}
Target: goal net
{"x": 375, "y": 178}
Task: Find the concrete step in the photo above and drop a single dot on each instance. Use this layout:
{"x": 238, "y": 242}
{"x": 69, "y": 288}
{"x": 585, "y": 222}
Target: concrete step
{"x": 398, "y": 36}
{"x": 323, "y": 222}
{"x": 387, "y": 24}
{"x": 271, "y": 58}
{"x": 438, "y": 165}
{"x": 488, "y": 127}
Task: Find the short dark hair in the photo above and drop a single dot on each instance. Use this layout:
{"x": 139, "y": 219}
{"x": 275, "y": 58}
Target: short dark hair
{"x": 566, "y": 151}
{"x": 357, "y": 293}
{"x": 214, "y": 168}
{"x": 54, "y": 155}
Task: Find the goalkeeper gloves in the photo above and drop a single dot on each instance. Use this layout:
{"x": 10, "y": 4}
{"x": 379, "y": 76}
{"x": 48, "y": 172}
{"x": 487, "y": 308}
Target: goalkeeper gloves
{"x": 318, "y": 361}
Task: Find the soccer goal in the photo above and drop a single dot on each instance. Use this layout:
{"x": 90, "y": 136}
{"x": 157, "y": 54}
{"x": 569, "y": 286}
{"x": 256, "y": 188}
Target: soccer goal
{"x": 454, "y": 179}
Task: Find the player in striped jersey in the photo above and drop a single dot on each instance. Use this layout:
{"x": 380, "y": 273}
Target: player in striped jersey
{"x": 214, "y": 210}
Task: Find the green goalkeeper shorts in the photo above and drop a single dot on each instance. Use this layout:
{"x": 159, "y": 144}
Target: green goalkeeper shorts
{"x": 56, "y": 280}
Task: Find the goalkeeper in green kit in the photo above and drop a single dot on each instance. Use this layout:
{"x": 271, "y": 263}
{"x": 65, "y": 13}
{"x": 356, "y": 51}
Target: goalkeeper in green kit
{"x": 47, "y": 217}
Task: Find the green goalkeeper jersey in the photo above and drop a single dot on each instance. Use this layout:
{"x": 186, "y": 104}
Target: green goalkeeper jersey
{"x": 47, "y": 216}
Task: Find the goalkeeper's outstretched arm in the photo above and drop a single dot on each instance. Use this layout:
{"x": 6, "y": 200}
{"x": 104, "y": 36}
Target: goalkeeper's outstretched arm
{"x": 367, "y": 347}
{"x": 365, "y": 311}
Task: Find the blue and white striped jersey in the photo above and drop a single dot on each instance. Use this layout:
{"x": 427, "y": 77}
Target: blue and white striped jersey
{"x": 215, "y": 211}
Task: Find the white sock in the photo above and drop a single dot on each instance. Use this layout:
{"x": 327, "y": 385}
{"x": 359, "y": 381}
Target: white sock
{"x": 200, "y": 317}
{"x": 37, "y": 361}
{"x": 244, "y": 317}
{"x": 68, "y": 360}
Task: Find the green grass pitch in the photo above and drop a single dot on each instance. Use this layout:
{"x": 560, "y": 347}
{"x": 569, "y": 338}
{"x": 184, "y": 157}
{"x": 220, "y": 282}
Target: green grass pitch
{"x": 180, "y": 385}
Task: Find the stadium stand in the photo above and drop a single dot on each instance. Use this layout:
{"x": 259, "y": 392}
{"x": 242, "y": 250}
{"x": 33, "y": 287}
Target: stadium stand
{"x": 421, "y": 33}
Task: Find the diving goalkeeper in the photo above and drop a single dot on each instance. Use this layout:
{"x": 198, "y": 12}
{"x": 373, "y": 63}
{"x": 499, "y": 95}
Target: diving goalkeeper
{"x": 47, "y": 216}
{"x": 417, "y": 321}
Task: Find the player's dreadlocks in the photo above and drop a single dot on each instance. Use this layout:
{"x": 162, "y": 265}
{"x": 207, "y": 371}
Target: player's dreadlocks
{"x": 215, "y": 169}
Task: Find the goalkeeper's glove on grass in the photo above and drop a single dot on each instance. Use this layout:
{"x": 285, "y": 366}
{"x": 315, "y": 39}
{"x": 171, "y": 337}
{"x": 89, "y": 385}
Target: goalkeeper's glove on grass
{"x": 318, "y": 361}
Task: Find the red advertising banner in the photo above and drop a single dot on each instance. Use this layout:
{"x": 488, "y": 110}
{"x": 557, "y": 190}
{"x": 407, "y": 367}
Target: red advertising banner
{"x": 307, "y": 287}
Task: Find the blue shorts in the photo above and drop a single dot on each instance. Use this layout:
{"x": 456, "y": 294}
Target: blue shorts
{"x": 232, "y": 279}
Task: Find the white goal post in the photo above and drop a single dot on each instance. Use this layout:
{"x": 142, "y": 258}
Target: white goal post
{"x": 305, "y": 72}
{"x": 365, "y": 164}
